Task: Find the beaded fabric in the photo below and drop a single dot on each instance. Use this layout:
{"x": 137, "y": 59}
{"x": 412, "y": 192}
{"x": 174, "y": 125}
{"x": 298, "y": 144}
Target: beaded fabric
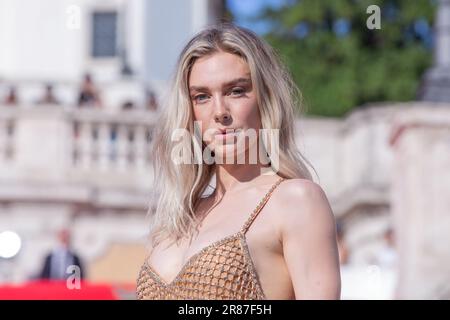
{"x": 220, "y": 271}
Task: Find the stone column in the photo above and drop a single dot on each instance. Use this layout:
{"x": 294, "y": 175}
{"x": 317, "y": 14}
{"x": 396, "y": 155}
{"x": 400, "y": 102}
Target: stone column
{"x": 421, "y": 201}
{"x": 436, "y": 83}
{"x": 42, "y": 141}
{"x": 442, "y": 52}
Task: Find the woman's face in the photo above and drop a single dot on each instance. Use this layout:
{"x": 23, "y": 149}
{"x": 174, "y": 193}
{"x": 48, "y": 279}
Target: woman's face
{"x": 223, "y": 100}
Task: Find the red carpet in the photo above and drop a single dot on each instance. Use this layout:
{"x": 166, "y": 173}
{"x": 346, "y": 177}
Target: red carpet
{"x": 56, "y": 290}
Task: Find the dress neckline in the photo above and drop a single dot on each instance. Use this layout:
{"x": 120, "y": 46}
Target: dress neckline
{"x": 192, "y": 258}
{"x": 238, "y": 235}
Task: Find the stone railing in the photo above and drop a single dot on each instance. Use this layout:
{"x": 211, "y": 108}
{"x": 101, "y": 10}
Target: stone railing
{"x": 7, "y": 126}
{"x": 113, "y": 143}
{"x": 56, "y": 144}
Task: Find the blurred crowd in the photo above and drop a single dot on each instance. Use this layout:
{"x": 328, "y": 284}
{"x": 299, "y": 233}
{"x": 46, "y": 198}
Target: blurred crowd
{"x": 88, "y": 96}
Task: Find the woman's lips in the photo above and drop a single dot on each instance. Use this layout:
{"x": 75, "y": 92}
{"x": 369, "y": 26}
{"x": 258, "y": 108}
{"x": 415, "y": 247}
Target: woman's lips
{"x": 226, "y": 136}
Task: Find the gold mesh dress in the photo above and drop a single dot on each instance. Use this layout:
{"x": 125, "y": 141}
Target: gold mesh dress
{"x": 222, "y": 270}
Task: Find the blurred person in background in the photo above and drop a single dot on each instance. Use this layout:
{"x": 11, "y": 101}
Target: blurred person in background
{"x": 387, "y": 255}
{"x": 152, "y": 103}
{"x": 48, "y": 97}
{"x": 89, "y": 94}
{"x": 128, "y": 105}
{"x": 11, "y": 99}
{"x": 386, "y": 260}
{"x": 60, "y": 259}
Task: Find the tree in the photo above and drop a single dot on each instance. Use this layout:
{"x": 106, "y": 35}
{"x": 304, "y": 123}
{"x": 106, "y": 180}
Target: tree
{"x": 339, "y": 63}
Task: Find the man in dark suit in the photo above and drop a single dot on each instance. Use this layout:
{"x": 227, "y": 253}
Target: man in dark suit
{"x": 60, "y": 259}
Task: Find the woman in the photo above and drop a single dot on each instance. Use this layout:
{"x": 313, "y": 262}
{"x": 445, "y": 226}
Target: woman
{"x": 266, "y": 231}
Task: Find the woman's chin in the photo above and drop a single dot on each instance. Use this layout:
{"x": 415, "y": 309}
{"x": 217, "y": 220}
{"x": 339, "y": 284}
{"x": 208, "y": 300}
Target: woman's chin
{"x": 229, "y": 154}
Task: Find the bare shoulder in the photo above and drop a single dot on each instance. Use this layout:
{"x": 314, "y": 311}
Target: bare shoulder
{"x": 301, "y": 203}
{"x": 299, "y": 187}
{"x": 307, "y": 233}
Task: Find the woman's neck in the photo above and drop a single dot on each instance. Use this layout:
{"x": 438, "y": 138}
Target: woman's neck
{"x": 233, "y": 177}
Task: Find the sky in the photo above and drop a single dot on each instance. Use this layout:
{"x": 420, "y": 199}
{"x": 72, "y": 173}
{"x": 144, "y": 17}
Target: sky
{"x": 245, "y": 10}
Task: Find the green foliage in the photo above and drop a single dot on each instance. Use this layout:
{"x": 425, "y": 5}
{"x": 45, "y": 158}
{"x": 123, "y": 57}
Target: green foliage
{"x": 339, "y": 72}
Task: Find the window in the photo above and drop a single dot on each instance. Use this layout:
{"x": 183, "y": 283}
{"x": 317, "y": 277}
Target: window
{"x": 104, "y": 39}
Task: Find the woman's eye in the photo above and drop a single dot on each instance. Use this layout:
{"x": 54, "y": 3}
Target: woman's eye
{"x": 237, "y": 91}
{"x": 200, "y": 98}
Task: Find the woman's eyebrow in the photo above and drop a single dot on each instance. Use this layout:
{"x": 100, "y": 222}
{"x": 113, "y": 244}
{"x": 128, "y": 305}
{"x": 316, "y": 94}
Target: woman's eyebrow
{"x": 241, "y": 81}
{"x": 197, "y": 88}
{"x": 228, "y": 84}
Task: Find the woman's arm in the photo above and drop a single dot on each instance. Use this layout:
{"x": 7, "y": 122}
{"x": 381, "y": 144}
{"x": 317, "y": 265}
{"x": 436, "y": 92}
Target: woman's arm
{"x": 308, "y": 234}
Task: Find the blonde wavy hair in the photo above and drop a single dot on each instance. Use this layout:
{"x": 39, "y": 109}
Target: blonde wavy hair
{"x": 180, "y": 186}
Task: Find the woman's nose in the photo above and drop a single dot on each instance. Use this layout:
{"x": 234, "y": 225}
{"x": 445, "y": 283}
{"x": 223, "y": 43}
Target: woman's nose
{"x": 222, "y": 117}
{"x": 222, "y": 113}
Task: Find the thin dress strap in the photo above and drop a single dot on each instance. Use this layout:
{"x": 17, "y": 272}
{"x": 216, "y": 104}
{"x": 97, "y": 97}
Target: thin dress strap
{"x": 260, "y": 206}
